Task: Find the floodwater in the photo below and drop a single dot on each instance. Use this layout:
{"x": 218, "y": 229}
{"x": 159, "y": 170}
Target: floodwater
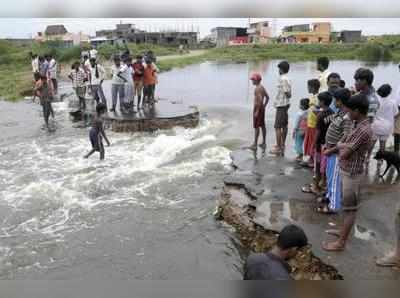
{"x": 146, "y": 211}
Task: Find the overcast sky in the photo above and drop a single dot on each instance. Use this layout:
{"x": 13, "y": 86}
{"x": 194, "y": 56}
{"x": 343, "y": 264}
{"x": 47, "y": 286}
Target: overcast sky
{"x": 28, "y": 27}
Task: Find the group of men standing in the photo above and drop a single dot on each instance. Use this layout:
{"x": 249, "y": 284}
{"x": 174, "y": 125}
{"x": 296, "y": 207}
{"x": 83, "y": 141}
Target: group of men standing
{"x": 130, "y": 79}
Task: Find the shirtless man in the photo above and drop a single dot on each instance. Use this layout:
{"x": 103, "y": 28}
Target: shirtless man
{"x": 259, "y": 111}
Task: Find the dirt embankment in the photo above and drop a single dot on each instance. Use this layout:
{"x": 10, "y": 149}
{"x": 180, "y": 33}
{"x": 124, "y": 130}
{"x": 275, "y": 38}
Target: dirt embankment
{"x": 233, "y": 208}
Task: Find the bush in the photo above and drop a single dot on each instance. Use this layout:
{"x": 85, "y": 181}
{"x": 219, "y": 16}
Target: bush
{"x": 374, "y": 52}
{"x": 69, "y": 54}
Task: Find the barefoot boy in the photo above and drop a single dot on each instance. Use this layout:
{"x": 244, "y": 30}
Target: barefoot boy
{"x": 259, "y": 110}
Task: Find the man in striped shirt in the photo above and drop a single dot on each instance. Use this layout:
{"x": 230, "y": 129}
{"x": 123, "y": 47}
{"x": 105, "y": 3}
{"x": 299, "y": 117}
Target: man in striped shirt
{"x": 352, "y": 156}
{"x": 79, "y": 78}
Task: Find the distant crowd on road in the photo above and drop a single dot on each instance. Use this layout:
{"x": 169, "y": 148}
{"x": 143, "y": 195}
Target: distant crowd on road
{"x": 334, "y": 134}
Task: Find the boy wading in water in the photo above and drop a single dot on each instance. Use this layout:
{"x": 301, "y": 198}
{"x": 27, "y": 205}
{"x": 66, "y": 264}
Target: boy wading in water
{"x": 97, "y": 133}
{"x": 282, "y": 104}
{"x": 353, "y": 150}
{"x": 259, "y": 111}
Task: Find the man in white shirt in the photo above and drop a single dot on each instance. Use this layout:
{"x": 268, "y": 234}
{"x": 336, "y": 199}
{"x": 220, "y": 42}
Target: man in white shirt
{"x": 52, "y": 71}
{"x": 35, "y": 63}
{"x": 96, "y": 78}
{"x": 282, "y": 104}
{"x": 93, "y": 53}
{"x": 127, "y": 73}
{"x": 118, "y": 84}
{"x": 322, "y": 66}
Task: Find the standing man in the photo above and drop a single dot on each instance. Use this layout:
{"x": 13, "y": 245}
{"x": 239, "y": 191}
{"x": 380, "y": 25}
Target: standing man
{"x": 363, "y": 83}
{"x": 259, "y": 111}
{"x": 117, "y": 85}
{"x": 35, "y": 63}
{"x": 53, "y": 72}
{"x": 282, "y": 104}
{"x": 353, "y": 150}
{"x": 138, "y": 70}
{"x": 93, "y": 53}
{"x": 333, "y": 85}
{"x": 78, "y": 78}
{"x": 322, "y": 66}
{"x": 364, "y": 78}
{"x": 149, "y": 81}
{"x": 43, "y": 65}
{"x": 97, "y": 75}
{"x": 127, "y": 72}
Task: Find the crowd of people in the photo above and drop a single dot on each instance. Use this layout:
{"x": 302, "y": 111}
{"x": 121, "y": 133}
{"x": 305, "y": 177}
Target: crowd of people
{"x": 130, "y": 79}
{"x": 335, "y": 132}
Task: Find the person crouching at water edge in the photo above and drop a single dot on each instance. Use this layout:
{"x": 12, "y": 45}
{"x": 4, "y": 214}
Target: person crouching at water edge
{"x": 272, "y": 265}
{"x": 78, "y": 78}
{"x": 44, "y": 91}
{"x": 259, "y": 111}
{"x": 97, "y": 133}
{"x": 97, "y": 75}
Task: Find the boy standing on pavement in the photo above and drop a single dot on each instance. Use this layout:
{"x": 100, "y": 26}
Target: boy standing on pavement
{"x": 259, "y": 111}
{"x": 353, "y": 150}
{"x": 282, "y": 104}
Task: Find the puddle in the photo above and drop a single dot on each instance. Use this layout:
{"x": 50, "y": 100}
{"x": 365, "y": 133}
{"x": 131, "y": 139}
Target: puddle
{"x": 273, "y": 213}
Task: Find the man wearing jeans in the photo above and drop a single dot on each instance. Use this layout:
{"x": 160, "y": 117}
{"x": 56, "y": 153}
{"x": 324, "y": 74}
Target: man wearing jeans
{"x": 117, "y": 85}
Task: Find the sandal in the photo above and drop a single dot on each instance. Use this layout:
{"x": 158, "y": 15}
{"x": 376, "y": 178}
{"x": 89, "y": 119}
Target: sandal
{"x": 388, "y": 261}
{"x": 332, "y": 246}
{"x": 333, "y": 232}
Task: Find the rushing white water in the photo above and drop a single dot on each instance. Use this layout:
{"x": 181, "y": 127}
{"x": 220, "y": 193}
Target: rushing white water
{"x": 48, "y": 190}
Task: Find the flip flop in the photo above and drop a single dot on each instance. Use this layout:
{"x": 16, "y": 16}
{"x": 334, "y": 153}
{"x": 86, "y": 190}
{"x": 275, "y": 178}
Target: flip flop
{"x": 388, "y": 261}
{"x": 333, "y": 232}
{"x": 328, "y": 247}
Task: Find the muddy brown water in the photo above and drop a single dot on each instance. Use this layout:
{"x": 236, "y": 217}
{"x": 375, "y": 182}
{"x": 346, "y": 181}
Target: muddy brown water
{"x": 146, "y": 211}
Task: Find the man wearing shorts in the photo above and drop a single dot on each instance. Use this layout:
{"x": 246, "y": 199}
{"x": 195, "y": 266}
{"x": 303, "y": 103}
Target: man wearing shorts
{"x": 259, "y": 111}
{"x": 282, "y": 104}
{"x": 138, "y": 69}
{"x": 353, "y": 152}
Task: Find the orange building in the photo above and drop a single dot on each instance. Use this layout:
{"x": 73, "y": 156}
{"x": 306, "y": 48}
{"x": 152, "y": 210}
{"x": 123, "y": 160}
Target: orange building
{"x": 316, "y": 33}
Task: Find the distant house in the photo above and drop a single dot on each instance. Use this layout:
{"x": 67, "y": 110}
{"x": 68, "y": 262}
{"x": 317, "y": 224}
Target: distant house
{"x": 259, "y": 32}
{"x": 130, "y": 33}
{"x": 61, "y": 37}
{"x": 314, "y": 33}
{"x": 55, "y": 30}
{"x": 349, "y": 36}
{"x": 221, "y": 36}
{"x": 101, "y": 40}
